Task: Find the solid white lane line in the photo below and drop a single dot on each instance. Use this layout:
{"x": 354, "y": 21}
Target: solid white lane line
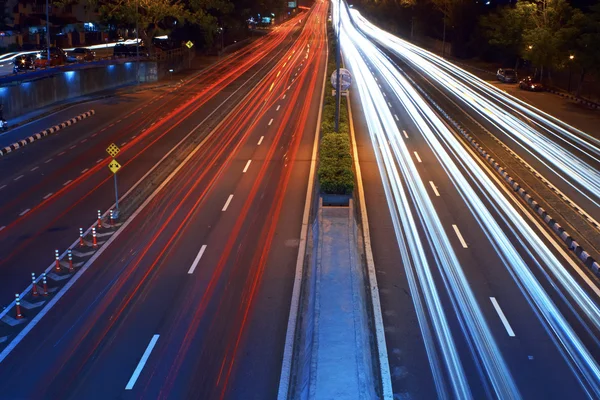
{"x": 85, "y": 170}
{"x": 405, "y": 134}
{"x": 278, "y": 107}
{"x": 197, "y": 259}
{"x": 434, "y": 189}
{"x": 142, "y": 362}
{"x": 395, "y": 116}
{"x": 34, "y": 168}
{"x": 67, "y": 182}
{"x": 247, "y": 165}
{"x": 507, "y": 326}
{"x": 48, "y": 195}
{"x": 260, "y": 140}
{"x": 99, "y": 160}
{"x": 271, "y": 121}
{"x": 227, "y": 202}
{"x": 24, "y": 212}
{"x": 19, "y": 177}
{"x": 417, "y": 156}
{"x": 47, "y": 161}
{"x": 462, "y": 241}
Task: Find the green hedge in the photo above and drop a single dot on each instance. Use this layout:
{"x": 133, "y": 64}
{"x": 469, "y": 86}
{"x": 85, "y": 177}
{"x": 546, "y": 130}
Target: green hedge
{"x": 335, "y": 167}
{"x": 335, "y": 158}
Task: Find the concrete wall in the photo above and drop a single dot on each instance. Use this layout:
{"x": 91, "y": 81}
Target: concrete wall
{"x": 25, "y": 97}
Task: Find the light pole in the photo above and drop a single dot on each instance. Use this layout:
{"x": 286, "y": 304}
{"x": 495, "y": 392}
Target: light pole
{"x": 48, "y": 31}
{"x": 338, "y": 81}
{"x": 571, "y": 58}
{"x": 137, "y": 43}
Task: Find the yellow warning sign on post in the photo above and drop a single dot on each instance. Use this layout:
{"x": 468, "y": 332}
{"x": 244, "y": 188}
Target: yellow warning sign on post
{"x": 114, "y": 166}
{"x": 189, "y": 44}
{"x": 113, "y": 150}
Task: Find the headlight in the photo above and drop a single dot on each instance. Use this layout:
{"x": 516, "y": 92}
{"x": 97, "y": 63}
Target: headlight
{"x": 533, "y": 86}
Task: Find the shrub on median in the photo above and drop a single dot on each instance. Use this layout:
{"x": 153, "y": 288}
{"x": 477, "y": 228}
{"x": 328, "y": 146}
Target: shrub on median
{"x": 335, "y": 166}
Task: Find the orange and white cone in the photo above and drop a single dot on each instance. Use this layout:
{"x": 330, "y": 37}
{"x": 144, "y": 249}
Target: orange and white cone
{"x": 70, "y": 255}
{"x": 81, "y": 242}
{"x": 94, "y": 239}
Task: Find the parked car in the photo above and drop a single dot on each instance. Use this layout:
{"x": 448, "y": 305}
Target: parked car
{"x": 57, "y": 57}
{"x": 507, "y": 75}
{"x": 530, "y": 84}
{"x": 23, "y": 63}
{"x": 81, "y": 54}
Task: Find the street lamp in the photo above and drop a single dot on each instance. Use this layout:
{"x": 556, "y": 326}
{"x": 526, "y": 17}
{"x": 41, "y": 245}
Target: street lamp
{"x": 48, "y": 31}
{"x": 571, "y": 58}
{"x": 530, "y": 47}
{"x": 338, "y": 82}
{"x": 137, "y": 43}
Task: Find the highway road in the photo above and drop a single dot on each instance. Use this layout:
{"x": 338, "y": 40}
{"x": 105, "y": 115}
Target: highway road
{"x": 192, "y": 298}
{"x": 54, "y": 186}
{"x": 480, "y": 299}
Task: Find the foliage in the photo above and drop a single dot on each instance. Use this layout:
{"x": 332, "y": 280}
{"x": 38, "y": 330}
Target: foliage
{"x": 540, "y": 31}
{"x": 335, "y": 158}
{"x": 335, "y": 164}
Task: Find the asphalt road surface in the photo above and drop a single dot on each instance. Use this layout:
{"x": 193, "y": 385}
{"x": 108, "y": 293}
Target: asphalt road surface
{"x": 480, "y": 299}
{"x": 201, "y": 279}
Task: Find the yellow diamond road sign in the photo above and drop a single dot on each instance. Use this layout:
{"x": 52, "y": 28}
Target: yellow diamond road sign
{"x": 189, "y": 44}
{"x": 113, "y": 150}
{"x": 114, "y": 166}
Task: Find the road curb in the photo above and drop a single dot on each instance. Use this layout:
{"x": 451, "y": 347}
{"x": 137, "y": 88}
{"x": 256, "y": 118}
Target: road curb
{"x": 576, "y": 99}
{"x": 382, "y": 355}
{"x": 559, "y": 231}
{"x": 45, "y": 132}
{"x": 291, "y": 337}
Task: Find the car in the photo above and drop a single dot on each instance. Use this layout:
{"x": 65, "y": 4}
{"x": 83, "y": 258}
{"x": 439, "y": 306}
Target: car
{"x": 530, "y": 84}
{"x": 81, "y": 54}
{"x": 507, "y": 75}
{"x": 23, "y": 63}
{"x": 57, "y": 57}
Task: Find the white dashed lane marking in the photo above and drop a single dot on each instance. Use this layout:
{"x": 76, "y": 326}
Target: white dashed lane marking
{"x": 271, "y": 121}
{"x": 47, "y": 161}
{"x": 259, "y": 142}
{"x": 24, "y": 212}
{"x": 48, "y": 195}
{"x": 34, "y": 168}
{"x": 247, "y": 166}
{"x": 417, "y": 156}
{"x": 85, "y": 170}
{"x": 460, "y": 238}
{"x": 18, "y": 177}
{"x": 67, "y": 182}
{"x": 227, "y": 203}
{"x": 434, "y": 189}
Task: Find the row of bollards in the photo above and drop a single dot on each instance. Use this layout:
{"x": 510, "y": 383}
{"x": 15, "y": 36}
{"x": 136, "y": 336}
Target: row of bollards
{"x": 43, "y": 289}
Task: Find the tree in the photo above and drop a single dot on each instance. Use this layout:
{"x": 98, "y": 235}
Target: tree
{"x": 504, "y": 29}
{"x": 586, "y": 50}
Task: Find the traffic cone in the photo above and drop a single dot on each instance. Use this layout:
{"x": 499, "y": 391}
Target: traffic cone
{"x": 112, "y": 221}
{"x": 70, "y": 255}
{"x": 81, "y": 242}
{"x": 94, "y": 240}
{"x": 57, "y": 267}
{"x": 18, "y": 306}
{"x": 45, "y": 284}
{"x": 34, "y": 290}
{"x": 99, "y": 219}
